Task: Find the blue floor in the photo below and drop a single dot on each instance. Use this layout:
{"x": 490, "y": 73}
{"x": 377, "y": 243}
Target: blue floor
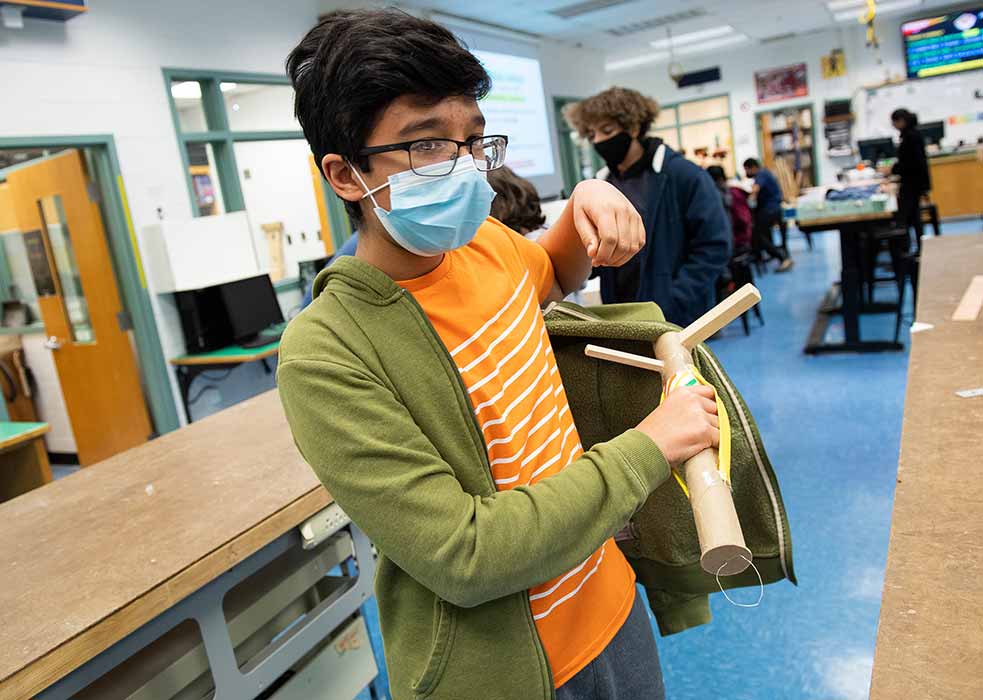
{"x": 832, "y": 427}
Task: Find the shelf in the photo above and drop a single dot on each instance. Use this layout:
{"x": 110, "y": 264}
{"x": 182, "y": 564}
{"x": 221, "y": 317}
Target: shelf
{"x": 803, "y": 129}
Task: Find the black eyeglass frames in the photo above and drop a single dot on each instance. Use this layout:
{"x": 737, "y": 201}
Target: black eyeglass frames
{"x": 427, "y": 154}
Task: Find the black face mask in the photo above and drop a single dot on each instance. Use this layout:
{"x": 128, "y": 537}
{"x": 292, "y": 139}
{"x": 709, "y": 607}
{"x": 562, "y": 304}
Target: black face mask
{"x": 614, "y": 150}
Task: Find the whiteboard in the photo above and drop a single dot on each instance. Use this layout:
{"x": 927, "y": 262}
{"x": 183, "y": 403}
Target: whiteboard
{"x": 932, "y": 99}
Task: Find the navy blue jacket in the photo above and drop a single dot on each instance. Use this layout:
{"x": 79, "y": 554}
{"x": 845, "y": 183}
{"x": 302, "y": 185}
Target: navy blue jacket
{"x": 688, "y": 241}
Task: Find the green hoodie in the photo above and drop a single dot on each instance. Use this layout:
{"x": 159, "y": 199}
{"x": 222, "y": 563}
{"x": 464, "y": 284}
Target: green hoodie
{"x": 379, "y": 411}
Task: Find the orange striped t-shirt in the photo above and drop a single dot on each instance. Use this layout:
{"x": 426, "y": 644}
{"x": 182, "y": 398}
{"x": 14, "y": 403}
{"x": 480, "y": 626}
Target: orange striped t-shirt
{"x": 484, "y": 301}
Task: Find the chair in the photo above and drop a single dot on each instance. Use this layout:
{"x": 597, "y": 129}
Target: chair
{"x": 904, "y": 265}
{"x": 740, "y": 271}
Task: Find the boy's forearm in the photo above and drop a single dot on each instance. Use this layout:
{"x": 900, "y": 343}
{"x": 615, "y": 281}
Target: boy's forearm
{"x": 571, "y": 264}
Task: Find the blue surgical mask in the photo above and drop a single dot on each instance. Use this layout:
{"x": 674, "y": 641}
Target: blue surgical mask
{"x": 432, "y": 215}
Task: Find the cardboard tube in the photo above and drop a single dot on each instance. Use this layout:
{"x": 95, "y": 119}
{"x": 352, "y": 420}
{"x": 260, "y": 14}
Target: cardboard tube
{"x": 722, "y": 547}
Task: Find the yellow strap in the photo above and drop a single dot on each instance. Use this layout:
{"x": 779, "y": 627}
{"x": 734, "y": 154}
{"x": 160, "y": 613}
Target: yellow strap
{"x": 690, "y": 377}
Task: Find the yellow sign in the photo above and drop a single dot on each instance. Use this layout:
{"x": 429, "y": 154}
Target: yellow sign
{"x": 834, "y": 64}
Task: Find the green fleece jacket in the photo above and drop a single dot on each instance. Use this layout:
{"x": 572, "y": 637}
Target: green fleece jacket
{"x": 379, "y": 411}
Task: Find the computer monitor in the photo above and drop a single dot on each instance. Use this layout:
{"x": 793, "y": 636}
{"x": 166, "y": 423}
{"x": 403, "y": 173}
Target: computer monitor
{"x": 873, "y": 150}
{"x": 932, "y": 132}
{"x": 252, "y": 306}
{"x": 307, "y": 270}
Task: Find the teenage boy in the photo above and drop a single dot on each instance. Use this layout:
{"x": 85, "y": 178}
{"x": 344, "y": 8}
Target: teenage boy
{"x": 421, "y": 387}
{"x": 767, "y": 211}
{"x": 687, "y": 235}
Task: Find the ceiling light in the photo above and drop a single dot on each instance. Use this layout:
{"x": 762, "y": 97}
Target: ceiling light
{"x": 226, "y": 87}
{"x": 627, "y": 63}
{"x": 703, "y": 48}
{"x": 883, "y": 8}
{"x": 839, "y": 5}
{"x": 693, "y": 37}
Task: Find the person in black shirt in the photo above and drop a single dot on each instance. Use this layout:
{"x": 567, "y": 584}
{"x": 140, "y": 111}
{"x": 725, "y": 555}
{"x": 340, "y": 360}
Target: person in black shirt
{"x": 687, "y": 231}
{"x": 912, "y": 170}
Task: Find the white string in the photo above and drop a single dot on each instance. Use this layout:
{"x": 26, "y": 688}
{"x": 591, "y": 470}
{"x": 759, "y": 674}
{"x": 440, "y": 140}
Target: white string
{"x": 761, "y": 584}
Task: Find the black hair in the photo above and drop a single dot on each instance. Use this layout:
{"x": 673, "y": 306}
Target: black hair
{"x": 717, "y": 173}
{"x": 751, "y": 163}
{"x": 910, "y": 119}
{"x": 354, "y": 63}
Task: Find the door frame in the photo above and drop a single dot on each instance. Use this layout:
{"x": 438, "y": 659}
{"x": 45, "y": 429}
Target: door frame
{"x": 771, "y": 108}
{"x": 128, "y": 266}
{"x": 570, "y": 169}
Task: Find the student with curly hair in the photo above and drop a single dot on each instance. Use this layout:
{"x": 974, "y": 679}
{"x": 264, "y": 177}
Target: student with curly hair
{"x": 686, "y": 228}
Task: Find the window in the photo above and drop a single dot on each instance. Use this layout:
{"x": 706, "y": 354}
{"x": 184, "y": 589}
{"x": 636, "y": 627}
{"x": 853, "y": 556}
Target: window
{"x": 242, "y": 148}
{"x": 700, "y": 129}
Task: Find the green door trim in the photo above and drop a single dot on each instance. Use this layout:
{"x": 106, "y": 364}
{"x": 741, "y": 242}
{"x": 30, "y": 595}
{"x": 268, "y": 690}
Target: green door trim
{"x": 125, "y": 256}
{"x": 223, "y": 140}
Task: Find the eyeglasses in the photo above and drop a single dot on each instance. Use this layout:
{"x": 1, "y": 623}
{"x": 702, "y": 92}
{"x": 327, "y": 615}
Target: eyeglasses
{"x": 488, "y": 153}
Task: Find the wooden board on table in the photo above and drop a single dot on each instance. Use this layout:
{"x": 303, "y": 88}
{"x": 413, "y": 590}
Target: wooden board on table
{"x": 929, "y": 642}
{"x": 90, "y": 558}
{"x": 833, "y": 221}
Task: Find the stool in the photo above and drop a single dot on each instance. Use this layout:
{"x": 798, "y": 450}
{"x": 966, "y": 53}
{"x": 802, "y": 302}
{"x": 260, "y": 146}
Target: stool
{"x": 740, "y": 271}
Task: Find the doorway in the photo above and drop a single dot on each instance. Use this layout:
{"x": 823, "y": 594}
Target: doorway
{"x": 76, "y": 314}
{"x": 578, "y": 159}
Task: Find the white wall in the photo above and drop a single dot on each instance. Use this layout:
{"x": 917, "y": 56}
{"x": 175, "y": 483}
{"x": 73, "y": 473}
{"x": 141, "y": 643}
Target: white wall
{"x": 864, "y": 67}
{"x": 101, "y": 73}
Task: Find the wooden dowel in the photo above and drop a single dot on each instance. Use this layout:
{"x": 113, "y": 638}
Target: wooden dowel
{"x": 624, "y": 358}
{"x": 719, "y": 316}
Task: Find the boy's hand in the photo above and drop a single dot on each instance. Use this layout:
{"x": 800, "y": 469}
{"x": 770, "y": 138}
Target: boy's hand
{"x": 608, "y": 224}
{"x": 685, "y": 424}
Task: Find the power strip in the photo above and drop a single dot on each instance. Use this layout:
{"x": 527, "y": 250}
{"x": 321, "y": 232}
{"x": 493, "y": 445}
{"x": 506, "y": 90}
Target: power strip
{"x": 317, "y": 528}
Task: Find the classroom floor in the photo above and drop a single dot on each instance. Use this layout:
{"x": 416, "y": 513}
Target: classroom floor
{"x": 832, "y": 427}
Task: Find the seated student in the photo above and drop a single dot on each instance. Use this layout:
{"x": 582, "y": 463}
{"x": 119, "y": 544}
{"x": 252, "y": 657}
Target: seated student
{"x": 516, "y": 203}
{"x": 767, "y": 212}
{"x": 421, "y": 387}
{"x": 686, "y": 232}
{"x": 736, "y": 204}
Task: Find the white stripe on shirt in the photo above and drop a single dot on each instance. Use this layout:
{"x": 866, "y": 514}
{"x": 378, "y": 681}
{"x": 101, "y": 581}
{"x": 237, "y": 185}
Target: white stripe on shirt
{"x": 494, "y": 318}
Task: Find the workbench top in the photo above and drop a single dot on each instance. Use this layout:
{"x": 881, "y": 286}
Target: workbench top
{"x": 87, "y": 559}
{"x": 929, "y": 641}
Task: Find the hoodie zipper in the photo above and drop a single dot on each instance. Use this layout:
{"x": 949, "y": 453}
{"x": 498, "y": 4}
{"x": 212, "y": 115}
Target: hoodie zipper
{"x": 487, "y": 467}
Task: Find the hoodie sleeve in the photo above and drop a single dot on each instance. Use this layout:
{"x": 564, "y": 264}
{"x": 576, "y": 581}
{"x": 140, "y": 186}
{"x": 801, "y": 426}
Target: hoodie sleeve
{"x": 707, "y": 246}
{"x": 365, "y": 447}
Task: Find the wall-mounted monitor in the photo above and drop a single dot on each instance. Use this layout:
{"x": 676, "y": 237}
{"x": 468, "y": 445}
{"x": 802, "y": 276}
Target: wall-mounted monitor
{"x": 516, "y": 107}
{"x": 944, "y": 44}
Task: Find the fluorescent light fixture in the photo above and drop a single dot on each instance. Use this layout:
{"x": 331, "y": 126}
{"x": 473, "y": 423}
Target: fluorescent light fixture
{"x": 713, "y": 46}
{"x": 226, "y": 87}
{"x": 659, "y": 56}
{"x": 840, "y": 5}
{"x": 883, "y": 8}
{"x": 693, "y": 37}
{"x": 626, "y": 63}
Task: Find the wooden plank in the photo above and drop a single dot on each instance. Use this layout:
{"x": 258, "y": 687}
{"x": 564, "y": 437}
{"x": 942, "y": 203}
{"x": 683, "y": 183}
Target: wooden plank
{"x": 89, "y": 558}
{"x": 969, "y": 305}
{"x": 14, "y": 434}
{"x": 929, "y": 642}
{"x": 229, "y": 359}
{"x": 846, "y": 219}
{"x": 719, "y": 316}
{"x": 624, "y": 358}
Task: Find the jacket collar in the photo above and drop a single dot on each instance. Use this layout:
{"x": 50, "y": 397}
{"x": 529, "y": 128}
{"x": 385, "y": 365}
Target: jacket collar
{"x": 658, "y": 161}
{"x": 374, "y": 284}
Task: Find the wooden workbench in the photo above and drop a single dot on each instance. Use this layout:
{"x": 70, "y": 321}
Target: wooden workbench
{"x": 90, "y": 558}
{"x": 930, "y": 637}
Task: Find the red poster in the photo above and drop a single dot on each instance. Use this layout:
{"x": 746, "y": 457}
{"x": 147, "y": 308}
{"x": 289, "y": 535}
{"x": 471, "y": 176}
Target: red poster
{"x": 782, "y": 83}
